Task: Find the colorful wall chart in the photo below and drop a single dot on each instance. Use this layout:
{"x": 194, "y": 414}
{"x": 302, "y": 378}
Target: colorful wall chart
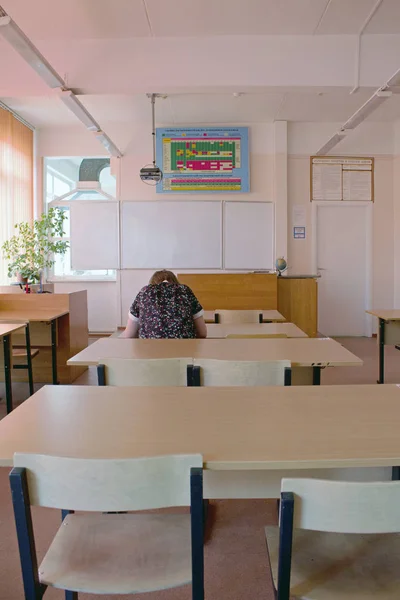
{"x": 203, "y": 160}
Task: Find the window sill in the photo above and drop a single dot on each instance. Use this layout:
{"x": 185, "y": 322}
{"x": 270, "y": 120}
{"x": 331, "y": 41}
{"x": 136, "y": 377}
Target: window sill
{"x": 82, "y": 280}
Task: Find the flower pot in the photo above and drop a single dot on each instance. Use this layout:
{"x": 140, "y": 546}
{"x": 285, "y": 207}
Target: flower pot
{"x": 20, "y": 279}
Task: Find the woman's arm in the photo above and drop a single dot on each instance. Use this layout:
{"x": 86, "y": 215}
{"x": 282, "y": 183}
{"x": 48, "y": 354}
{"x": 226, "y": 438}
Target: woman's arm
{"x": 131, "y": 330}
{"x": 200, "y": 327}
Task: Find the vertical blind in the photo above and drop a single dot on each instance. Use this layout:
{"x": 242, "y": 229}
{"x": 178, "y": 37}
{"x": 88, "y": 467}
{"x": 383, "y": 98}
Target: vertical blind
{"x": 16, "y": 178}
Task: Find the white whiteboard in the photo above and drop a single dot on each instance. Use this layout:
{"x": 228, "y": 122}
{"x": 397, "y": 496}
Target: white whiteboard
{"x": 94, "y": 235}
{"x": 176, "y": 235}
{"x": 249, "y": 235}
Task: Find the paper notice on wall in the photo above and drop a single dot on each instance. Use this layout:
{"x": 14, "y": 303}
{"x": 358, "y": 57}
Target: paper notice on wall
{"x": 327, "y": 182}
{"x": 299, "y": 215}
{"x": 357, "y": 185}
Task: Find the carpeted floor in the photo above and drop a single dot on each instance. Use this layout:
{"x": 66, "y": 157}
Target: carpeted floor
{"x": 236, "y": 562}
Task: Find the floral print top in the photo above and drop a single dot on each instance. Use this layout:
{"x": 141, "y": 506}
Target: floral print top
{"x": 166, "y": 310}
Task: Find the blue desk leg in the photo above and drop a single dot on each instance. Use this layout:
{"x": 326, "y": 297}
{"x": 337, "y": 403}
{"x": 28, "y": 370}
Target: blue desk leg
{"x": 7, "y": 371}
{"x": 316, "y": 378}
{"x": 381, "y": 351}
{"x": 54, "y": 350}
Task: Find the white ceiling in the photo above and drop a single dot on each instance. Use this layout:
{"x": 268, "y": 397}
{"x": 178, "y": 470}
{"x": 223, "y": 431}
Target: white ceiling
{"x": 109, "y": 19}
{"x": 67, "y": 22}
{"x": 214, "y": 108}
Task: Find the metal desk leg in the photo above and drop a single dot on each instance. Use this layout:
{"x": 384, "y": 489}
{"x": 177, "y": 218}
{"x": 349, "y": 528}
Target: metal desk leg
{"x": 54, "y": 350}
{"x": 395, "y": 473}
{"x": 7, "y": 371}
{"x": 381, "y": 351}
{"x": 29, "y": 358}
{"x": 316, "y": 377}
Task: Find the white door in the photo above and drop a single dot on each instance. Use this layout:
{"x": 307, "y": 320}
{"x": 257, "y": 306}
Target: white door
{"x": 343, "y": 248}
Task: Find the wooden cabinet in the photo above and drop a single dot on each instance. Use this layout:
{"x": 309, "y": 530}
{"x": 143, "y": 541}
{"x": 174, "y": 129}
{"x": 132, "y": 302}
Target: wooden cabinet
{"x": 298, "y": 302}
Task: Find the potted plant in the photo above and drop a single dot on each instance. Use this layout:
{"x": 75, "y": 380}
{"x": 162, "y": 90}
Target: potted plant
{"x": 32, "y": 248}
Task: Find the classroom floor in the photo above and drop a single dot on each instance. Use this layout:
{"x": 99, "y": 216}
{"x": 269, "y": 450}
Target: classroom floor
{"x": 236, "y": 562}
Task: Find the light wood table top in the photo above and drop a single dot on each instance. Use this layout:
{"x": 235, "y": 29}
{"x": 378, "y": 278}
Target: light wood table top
{"x": 386, "y": 314}
{"x": 7, "y": 328}
{"x": 233, "y": 428}
{"x": 268, "y": 315}
{"x": 29, "y": 314}
{"x": 222, "y": 331}
{"x": 302, "y": 352}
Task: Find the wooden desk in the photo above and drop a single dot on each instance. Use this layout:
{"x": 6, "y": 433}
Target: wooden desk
{"x": 269, "y": 316}
{"x": 6, "y": 330}
{"x": 310, "y": 354}
{"x": 388, "y": 333}
{"x": 58, "y": 327}
{"x": 249, "y": 437}
{"x": 222, "y": 331}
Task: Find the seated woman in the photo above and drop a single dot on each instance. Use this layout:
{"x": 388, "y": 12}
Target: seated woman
{"x": 165, "y": 309}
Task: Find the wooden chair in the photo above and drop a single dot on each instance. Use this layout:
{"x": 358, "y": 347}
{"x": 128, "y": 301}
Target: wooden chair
{"x": 238, "y": 316}
{"x": 346, "y": 543}
{"x": 100, "y": 553}
{"x": 214, "y": 372}
{"x": 242, "y": 336}
{"x": 144, "y": 372}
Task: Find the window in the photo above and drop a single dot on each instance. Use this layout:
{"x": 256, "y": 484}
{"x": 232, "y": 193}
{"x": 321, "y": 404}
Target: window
{"x": 62, "y": 176}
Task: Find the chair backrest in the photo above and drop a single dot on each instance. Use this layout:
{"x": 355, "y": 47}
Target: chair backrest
{"x": 256, "y": 335}
{"x": 143, "y": 372}
{"x": 238, "y": 316}
{"x": 345, "y": 507}
{"x": 214, "y": 372}
{"x": 108, "y": 484}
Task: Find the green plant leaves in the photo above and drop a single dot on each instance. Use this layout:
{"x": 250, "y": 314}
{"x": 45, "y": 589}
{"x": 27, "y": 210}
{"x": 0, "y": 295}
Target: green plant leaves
{"x": 32, "y": 248}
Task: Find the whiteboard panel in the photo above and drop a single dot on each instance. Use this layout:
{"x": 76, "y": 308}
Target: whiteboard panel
{"x": 175, "y": 235}
{"x": 94, "y": 235}
{"x": 249, "y": 235}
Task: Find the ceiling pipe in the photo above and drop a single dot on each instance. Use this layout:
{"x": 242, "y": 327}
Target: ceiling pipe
{"x": 358, "y": 48}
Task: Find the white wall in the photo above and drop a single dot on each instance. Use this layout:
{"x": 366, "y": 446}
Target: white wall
{"x": 268, "y": 183}
{"x": 370, "y": 139}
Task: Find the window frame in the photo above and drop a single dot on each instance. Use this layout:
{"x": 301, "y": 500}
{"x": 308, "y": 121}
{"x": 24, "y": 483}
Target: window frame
{"x": 50, "y": 276}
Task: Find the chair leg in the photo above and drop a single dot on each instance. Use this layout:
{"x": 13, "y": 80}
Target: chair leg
{"x": 29, "y": 359}
{"x": 71, "y": 595}
{"x": 197, "y": 530}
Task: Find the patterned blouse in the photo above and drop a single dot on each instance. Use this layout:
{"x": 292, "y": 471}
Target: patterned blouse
{"x": 166, "y": 310}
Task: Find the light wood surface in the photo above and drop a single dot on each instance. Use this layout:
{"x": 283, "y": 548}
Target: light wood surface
{"x": 30, "y": 314}
{"x": 233, "y": 428}
{"x": 243, "y": 373}
{"x": 268, "y": 315}
{"x": 386, "y": 314}
{"x": 154, "y": 372}
{"x": 298, "y": 302}
{"x": 222, "y": 331}
{"x": 7, "y": 328}
{"x": 233, "y": 291}
{"x": 302, "y": 352}
{"x": 70, "y": 310}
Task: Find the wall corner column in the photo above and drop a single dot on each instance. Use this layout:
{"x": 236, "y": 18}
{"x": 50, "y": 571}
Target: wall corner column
{"x": 281, "y": 188}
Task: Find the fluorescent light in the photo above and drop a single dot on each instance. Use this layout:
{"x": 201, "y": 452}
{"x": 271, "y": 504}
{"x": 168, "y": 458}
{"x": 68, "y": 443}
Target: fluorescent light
{"x": 108, "y": 144}
{"x": 335, "y": 139}
{"x": 394, "y": 80}
{"x": 364, "y": 111}
{"x": 21, "y": 44}
{"x": 76, "y": 106}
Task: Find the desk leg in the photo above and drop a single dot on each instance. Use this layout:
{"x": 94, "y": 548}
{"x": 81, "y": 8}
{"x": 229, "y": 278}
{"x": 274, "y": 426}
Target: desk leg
{"x": 381, "y": 351}
{"x": 54, "y": 350}
{"x": 7, "y": 371}
{"x": 29, "y": 358}
{"x": 395, "y": 473}
{"x": 316, "y": 375}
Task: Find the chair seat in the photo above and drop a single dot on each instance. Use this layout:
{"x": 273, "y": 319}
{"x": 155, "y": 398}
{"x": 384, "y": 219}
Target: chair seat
{"x": 22, "y": 352}
{"x": 333, "y": 566}
{"x": 119, "y": 553}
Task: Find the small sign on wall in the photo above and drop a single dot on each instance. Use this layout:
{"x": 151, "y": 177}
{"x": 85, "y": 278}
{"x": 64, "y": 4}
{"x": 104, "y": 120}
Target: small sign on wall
{"x": 299, "y": 233}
